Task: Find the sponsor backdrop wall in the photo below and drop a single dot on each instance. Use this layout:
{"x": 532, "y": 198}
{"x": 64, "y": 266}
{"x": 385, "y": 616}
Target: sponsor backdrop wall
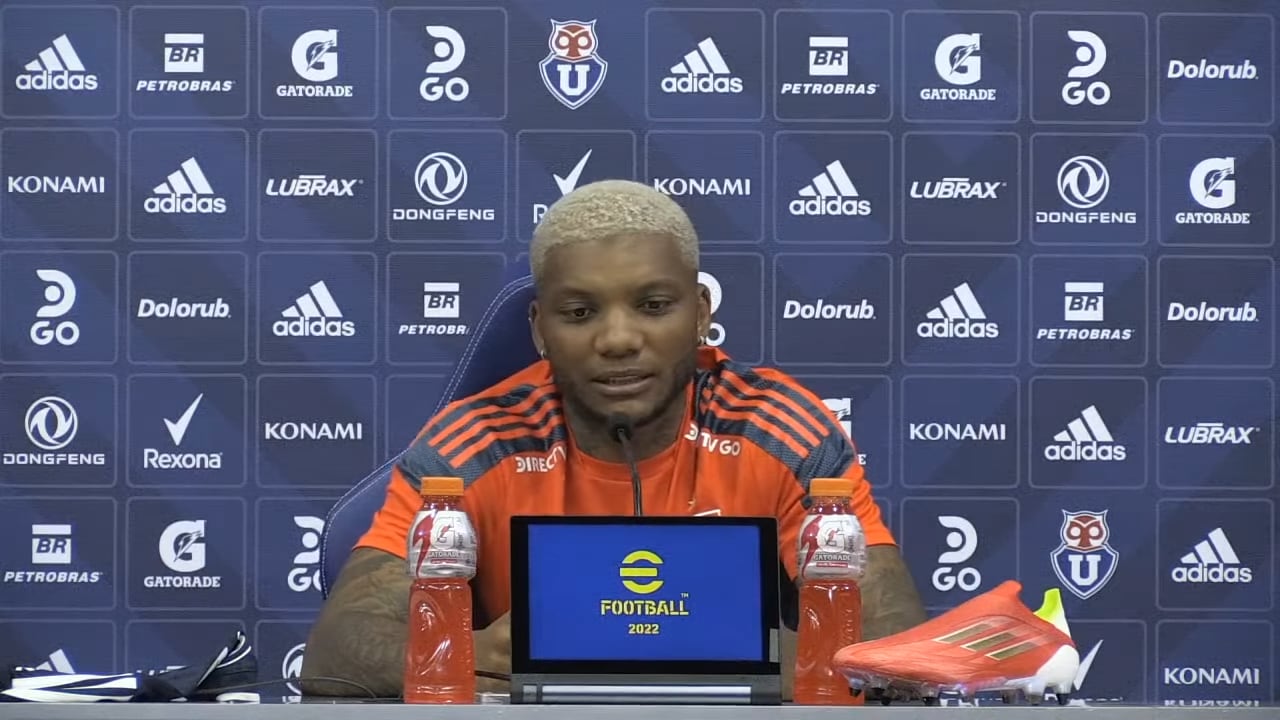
{"x": 1026, "y": 254}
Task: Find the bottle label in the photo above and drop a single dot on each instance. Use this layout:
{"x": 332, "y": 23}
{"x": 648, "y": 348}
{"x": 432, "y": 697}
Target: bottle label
{"x": 442, "y": 543}
{"x": 832, "y": 547}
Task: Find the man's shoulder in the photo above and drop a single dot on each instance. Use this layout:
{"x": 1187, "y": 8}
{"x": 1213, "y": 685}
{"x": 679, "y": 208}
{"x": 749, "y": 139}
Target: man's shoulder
{"x": 768, "y": 407}
{"x": 472, "y": 435}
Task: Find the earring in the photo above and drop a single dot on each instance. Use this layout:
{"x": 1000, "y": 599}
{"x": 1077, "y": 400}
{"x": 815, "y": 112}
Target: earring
{"x": 542, "y": 354}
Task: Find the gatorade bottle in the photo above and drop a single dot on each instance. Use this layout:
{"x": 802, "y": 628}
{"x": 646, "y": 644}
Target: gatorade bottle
{"x": 832, "y": 557}
{"x": 440, "y": 653}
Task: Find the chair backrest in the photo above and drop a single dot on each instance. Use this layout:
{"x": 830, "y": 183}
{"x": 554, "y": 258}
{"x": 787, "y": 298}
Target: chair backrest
{"x": 499, "y": 346}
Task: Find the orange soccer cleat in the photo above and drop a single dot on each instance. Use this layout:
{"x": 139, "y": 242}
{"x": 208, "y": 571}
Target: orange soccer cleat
{"x": 990, "y": 643}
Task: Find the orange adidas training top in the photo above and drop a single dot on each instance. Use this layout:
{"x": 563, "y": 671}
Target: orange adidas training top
{"x": 754, "y": 439}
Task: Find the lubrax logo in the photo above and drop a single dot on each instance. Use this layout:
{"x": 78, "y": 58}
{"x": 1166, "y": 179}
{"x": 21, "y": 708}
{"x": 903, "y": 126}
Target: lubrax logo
{"x": 958, "y": 316}
{"x": 823, "y": 310}
{"x": 57, "y": 67}
{"x": 61, "y": 184}
{"x": 1204, "y": 312}
{"x": 935, "y": 431}
{"x": 1209, "y": 433}
{"x": 702, "y": 71}
{"x": 1213, "y": 187}
{"x": 312, "y": 186}
{"x": 175, "y": 308}
{"x": 313, "y": 314}
{"x": 1086, "y": 439}
{"x": 1202, "y": 69}
{"x": 312, "y": 431}
{"x": 182, "y": 550}
{"x": 1212, "y": 561}
{"x": 680, "y": 187}
{"x": 956, "y": 188}
{"x": 958, "y": 61}
{"x": 830, "y": 192}
{"x": 186, "y": 191}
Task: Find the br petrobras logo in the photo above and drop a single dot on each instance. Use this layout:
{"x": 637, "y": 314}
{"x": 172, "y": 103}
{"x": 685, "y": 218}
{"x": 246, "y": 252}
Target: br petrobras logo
{"x": 1085, "y": 561}
{"x": 573, "y": 71}
{"x": 1089, "y": 310}
{"x": 1216, "y": 191}
{"x": 832, "y": 64}
{"x": 1216, "y": 68}
{"x": 1098, "y": 182}
{"x": 62, "y": 553}
{"x": 189, "y": 62}
{"x": 434, "y": 301}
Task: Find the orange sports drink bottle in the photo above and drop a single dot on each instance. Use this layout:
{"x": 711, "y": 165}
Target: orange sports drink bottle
{"x": 831, "y": 560}
{"x": 440, "y": 652}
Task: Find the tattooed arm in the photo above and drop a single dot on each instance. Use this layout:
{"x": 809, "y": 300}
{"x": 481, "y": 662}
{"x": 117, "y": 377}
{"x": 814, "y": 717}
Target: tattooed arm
{"x": 360, "y": 633}
{"x": 890, "y": 603}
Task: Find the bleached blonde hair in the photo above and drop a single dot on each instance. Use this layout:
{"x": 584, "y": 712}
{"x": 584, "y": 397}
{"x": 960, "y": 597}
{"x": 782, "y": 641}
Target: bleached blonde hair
{"x": 608, "y": 208}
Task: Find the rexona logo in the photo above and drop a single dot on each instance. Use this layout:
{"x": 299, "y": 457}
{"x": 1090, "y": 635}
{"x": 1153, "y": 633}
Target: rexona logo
{"x": 1209, "y": 433}
{"x": 823, "y": 310}
{"x": 1204, "y": 312}
{"x": 182, "y": 550}
{"x": 57, "y": 67}
{"x": 1202, "y": 69}
{"x": 1213, "y": 187}
{"x": 830, "y": 192}
{"x": 314, "y": 57}
{"x": 312, "y": 186}
{"x": 1214, "y": 561}
{"x": 155, "y": 459}
{"x": 440, "y": 301}
{"x": 935, "y": 431}
{"x": 958, "y": 61}
{"x": 186, "y": 191}
{"x": 956, "y": 188}
{"x": 175, "y": 308}
{"x": 313, "y": 314}
{"x": 703, "y": 71}
{"x": 1086, "y": 439}
{"x": 958, "y": 316}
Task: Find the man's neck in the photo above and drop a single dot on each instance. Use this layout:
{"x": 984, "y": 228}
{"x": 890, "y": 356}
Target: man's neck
{"x": 592, "y": 436}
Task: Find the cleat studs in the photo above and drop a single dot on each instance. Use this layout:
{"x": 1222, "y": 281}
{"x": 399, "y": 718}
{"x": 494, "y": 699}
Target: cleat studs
{"x": 1008, "y": 697}
{"x": 1063, "y": 698}
{"x": 1035, "y": 698}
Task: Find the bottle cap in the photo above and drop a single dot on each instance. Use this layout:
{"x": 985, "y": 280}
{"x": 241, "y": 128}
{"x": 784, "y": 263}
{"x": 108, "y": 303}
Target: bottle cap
{"x": 830, "y": 487}
{"x": 437, "y": 486}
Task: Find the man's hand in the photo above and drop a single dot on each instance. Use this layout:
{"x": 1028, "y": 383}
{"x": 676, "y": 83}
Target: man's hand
{"x": 890, "y": 603}
{"x": 493, "y": 653}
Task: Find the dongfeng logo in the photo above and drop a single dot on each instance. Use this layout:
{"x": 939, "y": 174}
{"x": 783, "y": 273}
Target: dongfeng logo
{"x": 51, "y": 423}
{"x": 441, "y": 178}
{"x": 1083, "y": 182}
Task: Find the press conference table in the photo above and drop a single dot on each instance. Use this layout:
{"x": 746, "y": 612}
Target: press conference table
{"x": 392, "y": 711}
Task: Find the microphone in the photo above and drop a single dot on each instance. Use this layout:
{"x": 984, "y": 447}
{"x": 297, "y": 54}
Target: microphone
{"x": 620, "y": 430}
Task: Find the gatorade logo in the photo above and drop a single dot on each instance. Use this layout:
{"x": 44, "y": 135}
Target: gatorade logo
{"x": 631, "y": 570}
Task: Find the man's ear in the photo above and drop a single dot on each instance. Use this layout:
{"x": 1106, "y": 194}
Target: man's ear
{"x": 534, "y": 332}
{"x": 704, "y": 311}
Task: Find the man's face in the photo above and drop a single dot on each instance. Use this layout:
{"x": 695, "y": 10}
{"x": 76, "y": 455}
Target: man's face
{"x": 619, "y": 320}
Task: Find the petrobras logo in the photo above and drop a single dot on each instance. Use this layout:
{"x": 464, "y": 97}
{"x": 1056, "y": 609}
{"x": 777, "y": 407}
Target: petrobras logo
{"x": 440, "y": 179}
{"x": 449, "y": 49}
{"x": 1083, "y": 183}
{"x": 828, "y": 58}
{"x": 1091, "y": 54}
{"x": 936, "y": 431}
{"x": 703, "y": 71}
{"x": 440, "y": 301}
{"x": 1213, "y": 187}
{"x": 305, "y": 574}
{"x": 51, "y": 424}
{"x": 293, "y": 431}
{"x": 314, "y": 314}
{"x": 57, "y": 67}
{"x": 156, "y": 459}
{"x": 1085, "y": 439}
{"x": 182, "y": 550}
{"x": 1202, "y": 69}
{"x": 184, "y": 54}
{"x": 1209, "y": 433}
{"x": 318, "y": 186}
{"x": 958, "y": 62}
{"x": 1206, "y": 313}
{"x": 175, "y": 308}
{"x": 1084, "y": 305}
{"x": 706, "y": 187}
{"x": 830, "y": 193}
{"x": 956, "y": 188}
{"x": 958, "y": 316}
{"x": 51, "y": 544}
{"x": 56, "y": 184}
{"x": 60, "y": 296}
{"x": 314, "y": 57}
{"x": 185, "y": 192}
{"x": 823, "y": 310}
{"x": 1212, "y": 561}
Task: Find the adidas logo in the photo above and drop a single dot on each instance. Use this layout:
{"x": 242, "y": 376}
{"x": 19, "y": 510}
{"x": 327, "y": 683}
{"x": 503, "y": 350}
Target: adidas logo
{"x": 959, "y": 315}
{"x": 57, "y": 662}
{"x": 313, "y": 314}
{"x": 185, "y": 191}
{"x": 830, "y": 192}
{"x": 1212, "y": 560}
{"x": 57, "y": 67}
{"x": 703, "y": 70}
{"x": 1086, "y": 438}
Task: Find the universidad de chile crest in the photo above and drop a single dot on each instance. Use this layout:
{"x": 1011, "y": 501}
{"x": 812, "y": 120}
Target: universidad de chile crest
{"x": 573, "y": 72}
{"x": 1085, "y": 561}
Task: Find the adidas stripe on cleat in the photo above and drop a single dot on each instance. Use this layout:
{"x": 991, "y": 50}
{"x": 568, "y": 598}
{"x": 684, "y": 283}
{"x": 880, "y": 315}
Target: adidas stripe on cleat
{"x": 991, "y": 643}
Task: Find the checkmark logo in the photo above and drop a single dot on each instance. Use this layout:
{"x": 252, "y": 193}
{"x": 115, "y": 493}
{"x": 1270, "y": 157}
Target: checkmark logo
{"x": 570, "y": 181}
{"x": 179, "y": 428}
{"x": 1083, "y": 671}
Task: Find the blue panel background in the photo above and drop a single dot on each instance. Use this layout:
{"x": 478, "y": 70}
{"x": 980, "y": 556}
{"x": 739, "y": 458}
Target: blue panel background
{"x": 1110, "y": 532}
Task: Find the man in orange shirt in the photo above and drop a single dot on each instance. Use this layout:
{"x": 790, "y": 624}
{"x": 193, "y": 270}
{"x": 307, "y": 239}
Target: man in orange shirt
{"x": 620, "y": 322}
